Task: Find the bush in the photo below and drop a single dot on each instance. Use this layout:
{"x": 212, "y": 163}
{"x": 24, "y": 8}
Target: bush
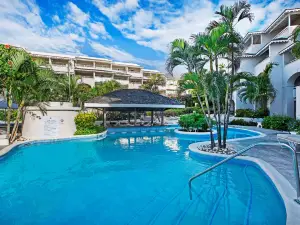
{"x": 195, "y": 122}
{"x": 91, "y": 130}
{"x": 3, "y": 115}
{"x": 85, "y": 124}
{"x": 242, "y": 122}
{"x": 277, "y": 122}
{"x": 179, "y": 112}
{"x": 260, "y": 113}
{"x": 294, "y": 125}
{"x": 85, "y": 120}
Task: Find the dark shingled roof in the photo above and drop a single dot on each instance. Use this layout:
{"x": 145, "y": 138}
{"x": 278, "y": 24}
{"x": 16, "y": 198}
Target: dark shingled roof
{"x": 133, "y": 96}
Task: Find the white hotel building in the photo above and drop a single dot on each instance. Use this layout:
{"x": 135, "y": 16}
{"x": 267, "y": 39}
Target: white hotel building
{"x": 274, "y": 44}
{"x": 92, "y": 70}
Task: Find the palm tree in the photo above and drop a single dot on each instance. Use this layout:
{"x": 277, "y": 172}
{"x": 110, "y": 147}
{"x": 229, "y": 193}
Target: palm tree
{"x": 154, "y": 82}
{"x": 183, "y": 54}
{"x": 259, "y": 90}
{"x": 230, "y": 16}
{"x": 296, "y": 48}
{"x": 29, "y": 86}
{"x": 199, "y": 84}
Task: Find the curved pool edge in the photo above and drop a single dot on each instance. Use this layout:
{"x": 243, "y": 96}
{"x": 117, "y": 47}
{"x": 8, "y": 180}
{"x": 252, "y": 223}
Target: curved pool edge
{"x": 177, "y": 131}
{"x": 11, "y": 147}
{"x": 283, "y": 186}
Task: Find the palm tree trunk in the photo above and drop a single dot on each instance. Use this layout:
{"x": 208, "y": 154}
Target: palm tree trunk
{"x": 208, "y": 121}
{"x": 229, "y": 100}
{"x": 17, "y": 122}
{"x": 9, "y": 105}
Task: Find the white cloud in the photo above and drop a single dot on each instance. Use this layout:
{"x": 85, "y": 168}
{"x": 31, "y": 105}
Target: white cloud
{"x": 77, "y": 15}
{"x": 120, "y": 55}
{"x": 56, "y": 19}
{"x": 99, "y": 29}
{"x": 21, "y": 24}
{"x": 155, "y": 27}
{"x": 114, "y": 11}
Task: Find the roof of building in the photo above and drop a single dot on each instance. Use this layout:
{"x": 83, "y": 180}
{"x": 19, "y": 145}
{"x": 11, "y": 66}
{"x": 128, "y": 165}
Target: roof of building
{"x": 274, "y": 23}
{"x": 126, "y": 99}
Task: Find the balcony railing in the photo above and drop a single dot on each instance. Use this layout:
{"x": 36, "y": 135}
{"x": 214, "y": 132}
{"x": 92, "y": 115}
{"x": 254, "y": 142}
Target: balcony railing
{"x": 84, "y": 65}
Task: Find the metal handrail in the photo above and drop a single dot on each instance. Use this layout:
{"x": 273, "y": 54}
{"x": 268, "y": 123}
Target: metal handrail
{"x": 295, "y": 164}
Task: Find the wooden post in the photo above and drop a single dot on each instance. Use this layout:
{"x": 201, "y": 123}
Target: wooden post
{"x": 152, "y": 118}
{"x": 134, "y": 116}
{"x": 104, "y": 117}
{"x": 162, "y": 118}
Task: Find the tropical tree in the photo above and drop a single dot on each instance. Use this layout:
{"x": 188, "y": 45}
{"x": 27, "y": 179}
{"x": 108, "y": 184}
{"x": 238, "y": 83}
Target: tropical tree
{"x": 296, "y": 48}
{"x": 29, "y": 84}
{"x": 198, "y": 83}
{"x": 105, "y": 87}
{"x": 154, "y": 82}
{"x": 230, "y": 16}
{"x": 259, "y": 89}
{"x": 183, "y": 54}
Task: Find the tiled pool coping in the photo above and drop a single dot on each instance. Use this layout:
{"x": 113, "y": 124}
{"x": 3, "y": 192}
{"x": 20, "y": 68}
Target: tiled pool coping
{"x": 30, "y": 142}
{"x": 283, "y": 186}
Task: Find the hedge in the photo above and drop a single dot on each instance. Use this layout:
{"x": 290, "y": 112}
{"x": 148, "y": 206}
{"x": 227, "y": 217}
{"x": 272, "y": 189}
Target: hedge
{"x": 277, "y": 122}
{"x": 260, "y": 113}
{"x": 242, "y": 122}
{"x": 85, "y": 124}
{"x": 193, "y": 122}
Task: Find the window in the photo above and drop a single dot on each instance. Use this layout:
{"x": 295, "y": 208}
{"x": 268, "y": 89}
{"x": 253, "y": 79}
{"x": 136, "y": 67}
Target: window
{"x": 256, "y": 39}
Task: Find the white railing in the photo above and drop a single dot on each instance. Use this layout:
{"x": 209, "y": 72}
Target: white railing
{"x": 84, "y": 65}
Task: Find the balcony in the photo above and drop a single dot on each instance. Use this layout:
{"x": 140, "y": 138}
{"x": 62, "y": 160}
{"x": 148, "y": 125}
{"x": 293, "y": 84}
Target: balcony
{"x": 84, "y": 66}
{"x": 134, "y": 85}
{"x": 102, "y": 67}
{"x": 60, "y": 68}
{"x": 102, "y": 79}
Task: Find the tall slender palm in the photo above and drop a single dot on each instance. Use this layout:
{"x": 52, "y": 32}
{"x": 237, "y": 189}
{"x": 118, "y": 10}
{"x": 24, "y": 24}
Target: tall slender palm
{"x": 200, "y": 84}
{"x": 260, "y": 90}
{"x": 230, "y": 16}
{"x": 153, "y": 83}
{"x": 183, "y": 54}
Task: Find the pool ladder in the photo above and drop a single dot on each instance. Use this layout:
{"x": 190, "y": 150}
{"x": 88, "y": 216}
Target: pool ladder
{"x": 295, "y": 165}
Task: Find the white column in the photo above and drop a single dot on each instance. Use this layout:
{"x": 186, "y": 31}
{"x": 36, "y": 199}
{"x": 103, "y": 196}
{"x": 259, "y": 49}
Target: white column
{"x": 50, "y": 62}
{"x": 94, "y": 76}
{"x": 94, "y": 64}
{"x": 298, "y": 102}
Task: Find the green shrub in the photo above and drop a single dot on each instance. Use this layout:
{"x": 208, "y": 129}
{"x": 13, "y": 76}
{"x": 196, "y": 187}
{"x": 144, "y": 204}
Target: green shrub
{"x": 85, "y": 124}
{"x": 85, "y": 120}
{"x": 3, "y": 115}
{"x": 260, "y": 113}
{"x": 294, "y": 125}
{"x": 277, "y": 122}
{"x": 242, "y": 122}
{"x": 244, "y": 113}
{"x": 179, "y": 112}
{"x": 194, "y": 121}
{"x": 91, "y": 130}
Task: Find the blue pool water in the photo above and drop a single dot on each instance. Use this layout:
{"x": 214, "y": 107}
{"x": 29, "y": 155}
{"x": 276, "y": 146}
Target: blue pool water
{"x": 132, "y": 178}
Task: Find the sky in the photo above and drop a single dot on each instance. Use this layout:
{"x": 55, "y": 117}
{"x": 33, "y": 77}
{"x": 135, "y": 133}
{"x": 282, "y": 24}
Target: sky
{"x": 134, "y": 31}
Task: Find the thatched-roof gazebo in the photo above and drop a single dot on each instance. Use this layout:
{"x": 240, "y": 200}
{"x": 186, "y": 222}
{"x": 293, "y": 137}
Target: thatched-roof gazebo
{"x": 133, "y": 100}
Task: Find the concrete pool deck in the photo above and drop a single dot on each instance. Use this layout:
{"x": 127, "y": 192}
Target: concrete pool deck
{"x": 279, "y": 158}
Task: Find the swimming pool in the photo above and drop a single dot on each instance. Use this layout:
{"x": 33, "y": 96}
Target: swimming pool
{"x": 138, "y": 177}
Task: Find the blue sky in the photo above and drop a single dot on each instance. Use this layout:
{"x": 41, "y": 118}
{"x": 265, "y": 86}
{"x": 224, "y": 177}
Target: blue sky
{"x": 136, "y": 31}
